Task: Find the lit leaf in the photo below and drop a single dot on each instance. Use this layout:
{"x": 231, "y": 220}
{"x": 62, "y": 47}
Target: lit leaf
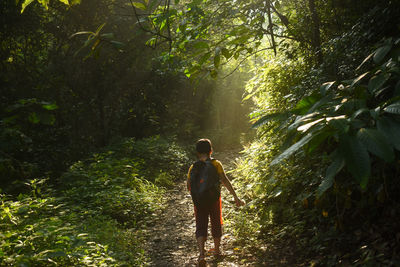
{"x": 269, "y": 117}
{"x": 25, "y": 4}
{"x": 325, "y": 87}
{"x": 376, "y": 82}
{"x": 305, "y": 104}
{"x": 307, "y": 126}
{"x": 303, "y": 119}
{"x": 359, "y": 78}
{"x": 65, "y": 2}
{"x": 50, "y": 106}
{"x": 139, "y": 5}
{"x": 365, "y": 60}
{"x": 291, "y": 150}
{"x": 339, "y": 123}
{"x": 187, "y": 73}
{"x": 82, "y": 33}
{"x": 44, "y": 3}
{"x": 393, "y": 108}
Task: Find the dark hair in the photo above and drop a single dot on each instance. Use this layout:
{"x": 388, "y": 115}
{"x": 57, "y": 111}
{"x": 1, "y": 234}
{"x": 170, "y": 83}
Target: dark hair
{"x": 204, "y": 146}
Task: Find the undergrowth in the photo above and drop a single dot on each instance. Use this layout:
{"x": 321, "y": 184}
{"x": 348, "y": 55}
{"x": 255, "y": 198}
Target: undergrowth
{"x": 94, "y": 215}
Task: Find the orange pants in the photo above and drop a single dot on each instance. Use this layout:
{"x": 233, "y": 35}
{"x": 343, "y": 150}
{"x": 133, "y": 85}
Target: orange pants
{"x": 215, "y": 214}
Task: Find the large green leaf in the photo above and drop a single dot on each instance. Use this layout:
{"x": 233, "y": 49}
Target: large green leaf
{"x": 291, "y": 150}
{"x": 356, "y": 157}
{"x": 303, "y": 119}
{"x": 339, "y": 123}
{"x": 320, "y": 103}
{"x": 393, "y": 108}
{"x": 325, "y": 87}
{"x": 365, "y": 60}
{"x": 390, "y": 129}
{"x": 305, "y": 104}
{"x": 305, "y": 127}
{"x": 359, "y": 78}
{"x": 334, "y": 168}
{"x": 376, "y": 143}
{"x": 25, "y": 4}
{"x": 318, "y": 139}
{"x": 269, "y": 117}
{"x": 201, "y": 45}
{"x": 376, "y": 82}
{"x": 50, "y": 106}
{"x": 381, "y": 53}
{"x": 226, "y": 53}
{"x": 139, "y": 5}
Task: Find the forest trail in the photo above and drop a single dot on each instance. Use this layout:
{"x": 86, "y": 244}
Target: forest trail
{"x": 170, "y": 237}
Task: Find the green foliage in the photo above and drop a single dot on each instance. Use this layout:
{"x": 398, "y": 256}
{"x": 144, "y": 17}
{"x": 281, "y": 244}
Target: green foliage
{"x": 45, "y": 3}
{"x": 95, "y": 216}
{"x": 160, "y": 155}
{"x": 336, "y": 182}
{"x": 45, "y": 228}
{"x": 63, "y": 98}
{"x": 347, "y": 117}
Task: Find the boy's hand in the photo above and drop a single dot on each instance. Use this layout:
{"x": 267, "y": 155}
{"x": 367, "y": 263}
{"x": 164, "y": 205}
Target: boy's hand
{"x": 239, "y": 202}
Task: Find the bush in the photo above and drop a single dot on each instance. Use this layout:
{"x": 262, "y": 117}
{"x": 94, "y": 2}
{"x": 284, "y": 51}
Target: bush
{"x": 95, "y": 214}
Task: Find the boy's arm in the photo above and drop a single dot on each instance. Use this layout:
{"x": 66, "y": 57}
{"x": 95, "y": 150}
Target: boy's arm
{"x": 225, "y": 181}
{"x": 188, "y": 178}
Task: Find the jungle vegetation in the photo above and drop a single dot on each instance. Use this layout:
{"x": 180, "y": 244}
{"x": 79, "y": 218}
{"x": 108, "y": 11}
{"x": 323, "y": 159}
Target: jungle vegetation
{"x": 102, "y": 100}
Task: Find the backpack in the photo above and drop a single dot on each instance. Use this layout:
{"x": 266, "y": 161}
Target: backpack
{"x": 204, "y": 183}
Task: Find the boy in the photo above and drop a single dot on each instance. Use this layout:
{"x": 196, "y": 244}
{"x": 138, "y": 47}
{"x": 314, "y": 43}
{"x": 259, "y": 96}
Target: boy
{"x": 213, "y": 209}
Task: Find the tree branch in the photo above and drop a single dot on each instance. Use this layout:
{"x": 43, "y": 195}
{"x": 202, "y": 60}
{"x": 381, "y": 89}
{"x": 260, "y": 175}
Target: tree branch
{"x": 244, "y": 59}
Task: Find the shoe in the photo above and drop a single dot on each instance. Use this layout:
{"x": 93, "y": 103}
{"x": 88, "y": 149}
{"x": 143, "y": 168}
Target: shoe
{"x": 202, "y": 262}
{"x": 213, "y": 252}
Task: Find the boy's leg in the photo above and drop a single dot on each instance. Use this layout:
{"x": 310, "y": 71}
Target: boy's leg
{"x": 217, "y": 242}
{"x": 201, "y": 240}
{"x": 201, "y": 229}
{"x": 216, "y": 225}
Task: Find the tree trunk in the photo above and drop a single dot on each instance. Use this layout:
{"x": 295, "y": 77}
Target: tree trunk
{"x": 270, "y": 25}
{"x": 316, "y": 36}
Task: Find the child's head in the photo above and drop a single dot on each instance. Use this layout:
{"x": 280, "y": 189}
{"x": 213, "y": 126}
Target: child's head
{"x": 203, "y": 146}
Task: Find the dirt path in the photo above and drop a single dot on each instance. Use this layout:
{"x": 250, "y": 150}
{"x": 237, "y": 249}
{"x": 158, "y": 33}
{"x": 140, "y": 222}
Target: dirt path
{"x": 170, "y": 238}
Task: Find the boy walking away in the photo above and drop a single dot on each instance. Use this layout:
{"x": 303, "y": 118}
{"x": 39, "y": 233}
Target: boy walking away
{"x": 204, "y": 181}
